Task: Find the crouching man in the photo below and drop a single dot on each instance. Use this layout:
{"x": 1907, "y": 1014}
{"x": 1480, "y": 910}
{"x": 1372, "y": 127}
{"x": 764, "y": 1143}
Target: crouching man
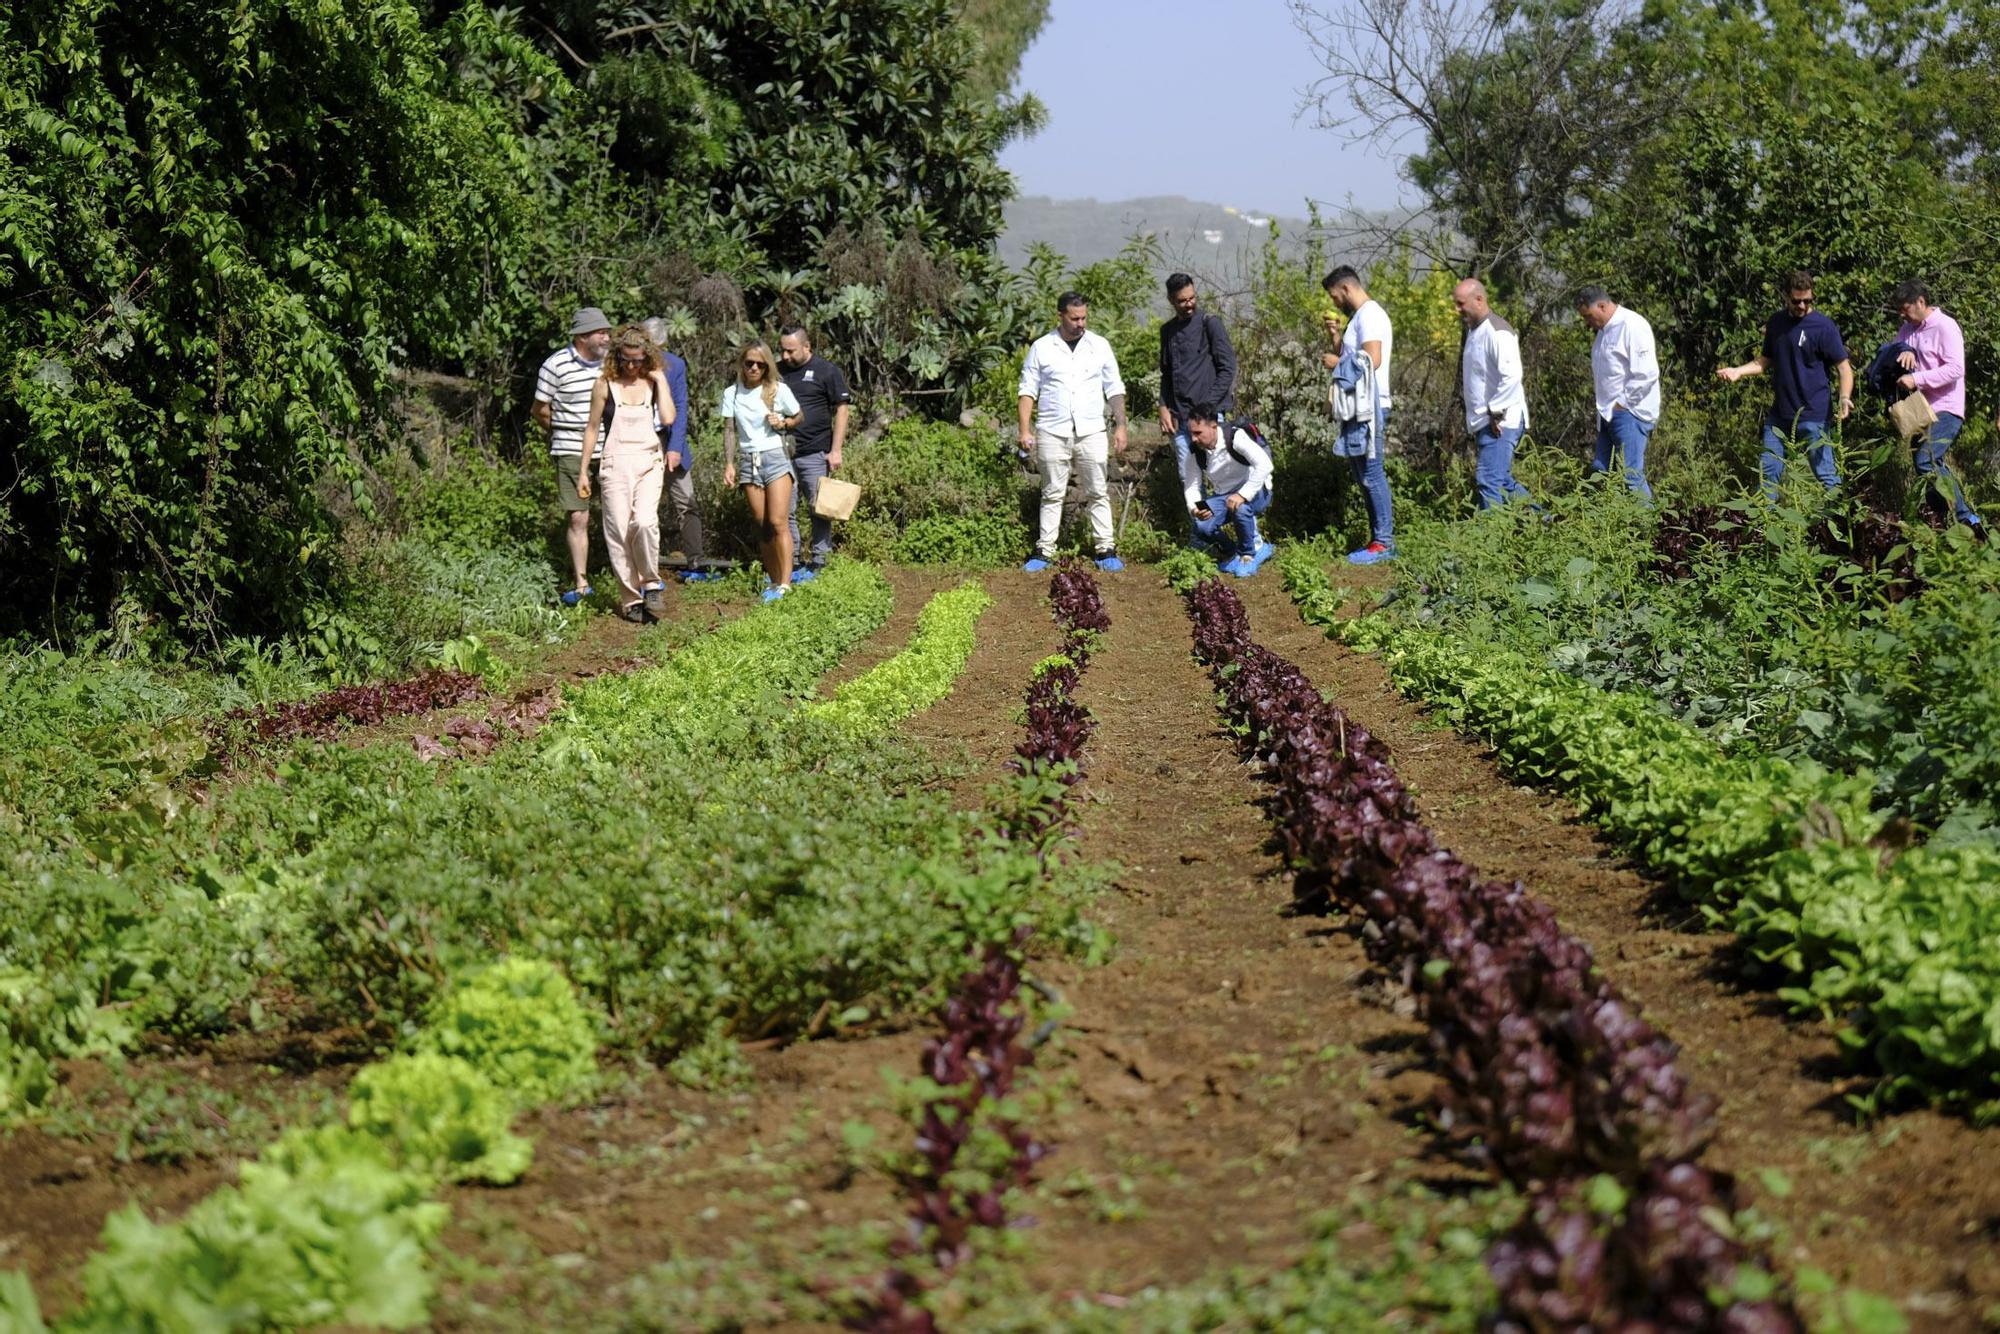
{"x": 1226, "y": 478}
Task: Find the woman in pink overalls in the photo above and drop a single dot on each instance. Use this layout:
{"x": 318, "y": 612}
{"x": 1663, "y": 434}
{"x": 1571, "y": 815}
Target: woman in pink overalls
{"x": 632, "y": 408}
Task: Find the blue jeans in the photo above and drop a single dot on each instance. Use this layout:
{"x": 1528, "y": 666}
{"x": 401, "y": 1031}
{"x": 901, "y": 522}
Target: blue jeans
{"x": 1181, "y": 442}
{"x": 1244, "y": 518}
{"x": 1371, "y": 477}
{"x": 761, "y": 467}
{"x": 1626, "y": 434}
{"x": 1818, "y": 453}
{"x": 1493, "y": 467}
{"x": 1939, "y": 483}
{"x": 811, "y": 470}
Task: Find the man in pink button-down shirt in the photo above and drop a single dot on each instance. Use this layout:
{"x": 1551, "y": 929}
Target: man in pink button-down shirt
{"x": 1935, "y": 367}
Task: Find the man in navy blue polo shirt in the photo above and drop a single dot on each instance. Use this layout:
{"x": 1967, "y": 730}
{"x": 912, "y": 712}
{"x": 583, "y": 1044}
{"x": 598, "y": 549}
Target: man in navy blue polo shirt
{"x": 1802, "y": 349}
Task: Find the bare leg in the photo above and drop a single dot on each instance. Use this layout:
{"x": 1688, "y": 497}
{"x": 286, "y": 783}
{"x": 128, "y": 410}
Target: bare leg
{"x": 759, "y": 499}
{"x": 778, "y": 502}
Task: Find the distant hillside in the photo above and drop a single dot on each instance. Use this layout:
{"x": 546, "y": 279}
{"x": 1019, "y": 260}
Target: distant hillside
{"x": 1215, "y": 242}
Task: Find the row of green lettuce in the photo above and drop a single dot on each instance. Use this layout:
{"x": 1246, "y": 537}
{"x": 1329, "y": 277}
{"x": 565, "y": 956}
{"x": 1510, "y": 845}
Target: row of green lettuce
{"x": 1899, "y": 949}
{"x": 332, "y": 1224}
{"x": 704, "y": 865}
{"x": 1808, "y": 629}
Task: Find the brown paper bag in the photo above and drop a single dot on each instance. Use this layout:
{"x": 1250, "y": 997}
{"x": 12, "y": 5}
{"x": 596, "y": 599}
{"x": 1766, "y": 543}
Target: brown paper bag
{"x": 836, "y": 499}
{"x": 1912, "y": 414}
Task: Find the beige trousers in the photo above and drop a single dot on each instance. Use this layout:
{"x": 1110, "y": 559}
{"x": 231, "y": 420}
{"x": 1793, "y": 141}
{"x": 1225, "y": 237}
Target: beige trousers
{"x": 628, "y": 486}
{"x": 1057, "y": 456}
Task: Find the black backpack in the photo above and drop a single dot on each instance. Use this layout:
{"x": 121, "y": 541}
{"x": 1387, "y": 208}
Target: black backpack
{"x": 1225, "y": 431}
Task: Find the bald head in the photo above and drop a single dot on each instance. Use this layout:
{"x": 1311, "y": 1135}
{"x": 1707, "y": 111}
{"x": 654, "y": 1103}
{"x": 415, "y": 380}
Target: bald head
{"x": 1470, "y": 298}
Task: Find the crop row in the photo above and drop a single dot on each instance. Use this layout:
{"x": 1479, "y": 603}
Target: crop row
{"x": 916, "y": 678}
{"x": 332, "y": 1224}
{"x": 663, "y": 839}
{"x": 428, "y": 1101}
{"x": 1899, "y": 948}
{"x": 973, "y": 1063}
{"x": 1550, "y": 1074}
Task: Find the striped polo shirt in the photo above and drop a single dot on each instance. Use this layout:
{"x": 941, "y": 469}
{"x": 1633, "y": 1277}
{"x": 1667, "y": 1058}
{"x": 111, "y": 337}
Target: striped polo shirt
{"x": 564, "y": 384}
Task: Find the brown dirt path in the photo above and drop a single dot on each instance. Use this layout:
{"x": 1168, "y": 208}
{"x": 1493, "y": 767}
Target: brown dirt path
{"x": 1236, "y": 1071}
{"x": 1909, "y": 1208}
{"x": 1216, "y": 1086}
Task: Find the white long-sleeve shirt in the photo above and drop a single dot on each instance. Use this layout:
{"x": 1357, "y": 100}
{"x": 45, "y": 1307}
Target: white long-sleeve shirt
{"x": 1625, "y": 366}
{"x": 1070, "y": 384}
{"x": 1490, "y": 374}
{"x": 1226, "y": 474}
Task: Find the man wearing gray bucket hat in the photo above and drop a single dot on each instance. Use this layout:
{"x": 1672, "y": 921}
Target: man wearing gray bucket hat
{"x": 562, "y": 404}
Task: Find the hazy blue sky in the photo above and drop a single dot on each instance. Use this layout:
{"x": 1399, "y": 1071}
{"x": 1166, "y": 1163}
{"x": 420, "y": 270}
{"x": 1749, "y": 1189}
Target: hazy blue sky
{"x": 1185, "y": 97}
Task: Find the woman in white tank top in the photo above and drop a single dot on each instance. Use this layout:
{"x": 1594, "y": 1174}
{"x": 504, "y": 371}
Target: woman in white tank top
{"x": 631, "y": 407}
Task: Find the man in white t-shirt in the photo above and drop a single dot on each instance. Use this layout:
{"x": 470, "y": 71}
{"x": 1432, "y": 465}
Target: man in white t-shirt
{"x": 1368, "y": 334}
{"x": 1496, "y": 403}
{"x": 1625, "y": 376}
{"x": 561, "y": 406}
{"x": 1067, "y": 378}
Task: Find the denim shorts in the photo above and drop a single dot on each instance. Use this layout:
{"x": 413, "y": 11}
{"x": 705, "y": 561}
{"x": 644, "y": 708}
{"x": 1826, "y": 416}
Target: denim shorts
{"x": 761, "y": 467}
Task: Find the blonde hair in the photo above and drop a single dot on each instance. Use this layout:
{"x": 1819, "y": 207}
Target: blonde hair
{"x": 627, "y": 338}
{"x": 770, "y": 385}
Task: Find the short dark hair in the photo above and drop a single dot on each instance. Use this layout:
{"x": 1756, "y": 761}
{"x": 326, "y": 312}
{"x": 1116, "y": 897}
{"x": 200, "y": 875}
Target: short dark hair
{"x": 1798, "y": 280}
{"x": 1908, "y": 290}
{"x": 1068, "y": 300}
{"x": 1338, "y": 274}
{"x": 1177, "y": 281}
{"x": 1590, "y": 296}
{"x": 796, "y": 331}
{"x": 1203, "y": 412}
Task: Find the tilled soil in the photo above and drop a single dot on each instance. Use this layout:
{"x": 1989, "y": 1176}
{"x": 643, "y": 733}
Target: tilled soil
{"x": 1908, "y": 1207}
{"x": 1232, "y": 1071}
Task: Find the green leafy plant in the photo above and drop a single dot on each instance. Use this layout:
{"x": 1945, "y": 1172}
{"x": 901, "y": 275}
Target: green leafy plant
{"x": 917, "y": 677}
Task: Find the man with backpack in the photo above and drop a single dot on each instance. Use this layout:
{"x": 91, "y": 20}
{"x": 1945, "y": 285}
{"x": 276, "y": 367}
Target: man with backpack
{"x": 1197, "y": 365}
{"x": 1226, "y": 478}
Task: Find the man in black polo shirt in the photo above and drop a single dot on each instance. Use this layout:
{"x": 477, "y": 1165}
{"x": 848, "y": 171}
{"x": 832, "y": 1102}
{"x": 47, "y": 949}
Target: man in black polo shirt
{"x": 822, "y": 393}
{"x": 1197, "y": 365}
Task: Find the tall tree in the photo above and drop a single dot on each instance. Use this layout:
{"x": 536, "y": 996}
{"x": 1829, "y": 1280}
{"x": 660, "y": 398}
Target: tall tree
{"x": 1006, "y": 29}
{"x": 221, "y": 228}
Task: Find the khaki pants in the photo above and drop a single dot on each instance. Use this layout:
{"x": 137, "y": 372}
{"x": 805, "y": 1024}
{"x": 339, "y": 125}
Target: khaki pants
{"x": 683, "y": 516}
{"x": 1087, "y": 455}
{"x": 629, "y": 490}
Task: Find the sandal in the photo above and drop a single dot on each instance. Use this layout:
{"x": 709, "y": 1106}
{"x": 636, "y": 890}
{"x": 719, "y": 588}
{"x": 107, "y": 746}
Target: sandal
{"x": 573, "y": 596}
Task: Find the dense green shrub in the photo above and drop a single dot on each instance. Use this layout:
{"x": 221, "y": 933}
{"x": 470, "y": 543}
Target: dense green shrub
{"x": 933, "y": 493}
{"x": 474, "y": 502}
{"x": 220, "y": 230}
{"x": 1781, "y": 646}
